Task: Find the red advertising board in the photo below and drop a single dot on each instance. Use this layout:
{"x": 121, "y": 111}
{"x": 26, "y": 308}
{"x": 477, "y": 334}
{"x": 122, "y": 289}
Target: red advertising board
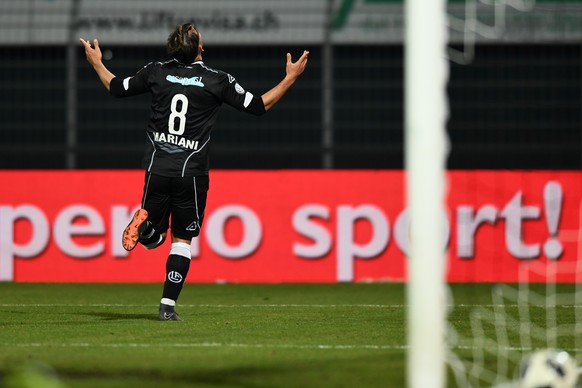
{"x": 290, "y": 226}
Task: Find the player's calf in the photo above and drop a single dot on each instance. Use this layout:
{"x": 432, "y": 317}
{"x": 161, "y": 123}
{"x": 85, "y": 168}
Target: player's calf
{"x": 149, "y": 237}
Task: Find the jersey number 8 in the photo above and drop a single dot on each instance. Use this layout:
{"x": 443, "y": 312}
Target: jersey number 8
{"x": 178, "y": 114}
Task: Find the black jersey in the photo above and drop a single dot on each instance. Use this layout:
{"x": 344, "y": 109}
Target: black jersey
{"x": 185, "y": 104}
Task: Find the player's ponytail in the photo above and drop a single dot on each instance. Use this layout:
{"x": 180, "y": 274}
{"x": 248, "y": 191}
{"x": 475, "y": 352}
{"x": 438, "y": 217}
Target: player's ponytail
{"x": 183, "y": 43}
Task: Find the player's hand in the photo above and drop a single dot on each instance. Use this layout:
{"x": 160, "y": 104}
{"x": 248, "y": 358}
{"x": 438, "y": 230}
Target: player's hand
{"x": 93, "y": 54}
{"x": 294, "y": 69}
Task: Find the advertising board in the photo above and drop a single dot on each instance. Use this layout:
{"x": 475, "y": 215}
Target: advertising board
{"x": 290, "y": 226}
{"x": 268, "y": 22}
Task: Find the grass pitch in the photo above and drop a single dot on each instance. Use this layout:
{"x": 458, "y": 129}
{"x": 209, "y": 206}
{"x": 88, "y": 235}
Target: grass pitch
{"x": 107, "y": 335}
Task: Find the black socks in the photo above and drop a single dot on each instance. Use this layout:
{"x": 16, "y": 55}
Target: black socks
{"x": 176, "y": 270}
{"x": 148, "y": 236}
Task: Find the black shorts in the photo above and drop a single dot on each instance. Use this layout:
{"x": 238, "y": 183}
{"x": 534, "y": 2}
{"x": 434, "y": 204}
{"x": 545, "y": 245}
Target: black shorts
{"x": 183, "y": 198}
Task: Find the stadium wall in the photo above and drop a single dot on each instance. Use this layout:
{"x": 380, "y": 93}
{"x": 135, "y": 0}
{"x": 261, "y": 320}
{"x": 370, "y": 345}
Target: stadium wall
{"x": 289, "y": 226}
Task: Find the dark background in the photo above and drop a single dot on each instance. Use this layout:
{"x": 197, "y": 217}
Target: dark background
{"x": 513, "y": 107}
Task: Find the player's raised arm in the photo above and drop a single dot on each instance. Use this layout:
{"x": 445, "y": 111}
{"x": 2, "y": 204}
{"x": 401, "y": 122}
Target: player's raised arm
{"x": 293, "y": 71}
{"x": 94, "y": 58}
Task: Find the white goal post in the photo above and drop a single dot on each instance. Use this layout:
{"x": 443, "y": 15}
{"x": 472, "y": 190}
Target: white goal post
{"x": 426, "y": 111}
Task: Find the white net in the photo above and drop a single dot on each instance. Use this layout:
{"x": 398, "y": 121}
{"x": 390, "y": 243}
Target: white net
{"x": 521, "y": 319}
{"x": 481, "y": 18}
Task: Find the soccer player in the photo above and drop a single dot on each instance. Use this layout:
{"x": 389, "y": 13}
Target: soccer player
{"x": 186, "y": 97}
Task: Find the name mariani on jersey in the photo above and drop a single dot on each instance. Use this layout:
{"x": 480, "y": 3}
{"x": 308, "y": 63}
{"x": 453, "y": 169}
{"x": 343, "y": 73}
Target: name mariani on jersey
{"x": 177, "y": 140}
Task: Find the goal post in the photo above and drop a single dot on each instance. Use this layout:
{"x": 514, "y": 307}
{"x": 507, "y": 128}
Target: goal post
{"x": 426, "y": 110}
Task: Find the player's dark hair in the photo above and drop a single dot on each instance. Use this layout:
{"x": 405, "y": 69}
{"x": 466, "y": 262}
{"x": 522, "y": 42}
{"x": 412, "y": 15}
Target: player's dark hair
{"x": 183, "y": 43}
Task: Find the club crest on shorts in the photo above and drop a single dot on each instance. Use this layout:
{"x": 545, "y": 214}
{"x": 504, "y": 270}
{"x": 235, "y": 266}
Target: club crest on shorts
{"x": 174, "y": 277}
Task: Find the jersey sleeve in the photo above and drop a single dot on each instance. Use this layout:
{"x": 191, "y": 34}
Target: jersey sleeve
{"x": 134, "y": 85}
{"x": 239, "y": 98}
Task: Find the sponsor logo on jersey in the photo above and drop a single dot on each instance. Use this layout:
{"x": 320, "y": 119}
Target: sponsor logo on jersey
{"x": 193, "y": 81}
{"x": 239, "y": 89}
{"x": 174, "y": 277}
{"x": 177, "y": 140}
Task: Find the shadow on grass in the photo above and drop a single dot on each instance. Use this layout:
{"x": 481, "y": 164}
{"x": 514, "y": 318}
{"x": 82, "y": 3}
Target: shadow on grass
{"x": 110, "y": 316}
{"x": 357, "y": 371}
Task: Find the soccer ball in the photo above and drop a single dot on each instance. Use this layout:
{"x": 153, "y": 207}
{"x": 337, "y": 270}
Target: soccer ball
{"x": 548, "y": 368}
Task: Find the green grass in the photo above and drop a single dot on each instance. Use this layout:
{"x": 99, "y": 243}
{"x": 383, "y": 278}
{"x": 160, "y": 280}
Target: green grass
{"x": 325, "y": 335}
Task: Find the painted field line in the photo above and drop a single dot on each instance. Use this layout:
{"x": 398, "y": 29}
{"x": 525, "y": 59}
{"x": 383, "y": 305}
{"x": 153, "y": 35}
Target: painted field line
{"x": 207, "y": 345}
{"x": 381, "y": 306}
{"x": 514, "y": 305}
{"x": 202, "y": 305}
{"x": 242, "y": 346}
{"x": 511, "y": 348}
